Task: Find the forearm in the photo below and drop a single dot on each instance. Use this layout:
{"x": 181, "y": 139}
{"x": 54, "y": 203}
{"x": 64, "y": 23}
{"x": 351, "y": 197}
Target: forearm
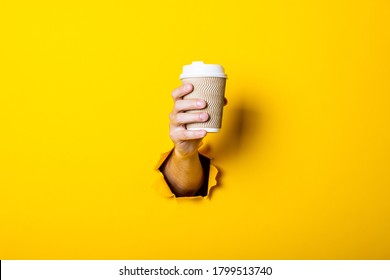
{"x": 184, "y": 175}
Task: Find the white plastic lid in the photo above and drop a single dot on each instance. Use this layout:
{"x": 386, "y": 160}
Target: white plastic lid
{"x": 200, "y": 69}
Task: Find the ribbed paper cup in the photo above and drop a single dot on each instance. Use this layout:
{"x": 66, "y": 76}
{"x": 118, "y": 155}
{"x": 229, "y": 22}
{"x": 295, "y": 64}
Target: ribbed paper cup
{"x": 209, "y": 81}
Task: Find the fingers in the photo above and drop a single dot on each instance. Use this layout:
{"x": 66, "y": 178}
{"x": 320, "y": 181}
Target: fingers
{"x": 181, "y": 91}
{"x": 185, "y": 118}
{"x": 182, "y": 115}
{"x": 189, "y": 104}
{"x": 185, "y": 89}
{"x": 186, "y": 135}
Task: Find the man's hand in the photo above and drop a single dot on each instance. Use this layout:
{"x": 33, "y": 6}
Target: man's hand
{"x": 186, "y": 141}
{"x": 183, "y": 170}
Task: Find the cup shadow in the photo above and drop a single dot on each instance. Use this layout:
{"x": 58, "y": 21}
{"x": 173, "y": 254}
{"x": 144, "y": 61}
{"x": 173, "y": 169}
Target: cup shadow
{"x": 239, "y": 137}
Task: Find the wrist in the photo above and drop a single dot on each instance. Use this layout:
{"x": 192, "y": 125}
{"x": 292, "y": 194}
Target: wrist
{"x": 185, "y": 155}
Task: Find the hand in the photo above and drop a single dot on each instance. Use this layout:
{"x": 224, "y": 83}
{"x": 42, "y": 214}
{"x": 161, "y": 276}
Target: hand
{"x": 186, "y": 141}
{"x": 183, "y": 170}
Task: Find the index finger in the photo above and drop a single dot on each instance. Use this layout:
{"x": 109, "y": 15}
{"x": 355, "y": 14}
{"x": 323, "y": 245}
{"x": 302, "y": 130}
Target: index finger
{"x": 181, "y": 91}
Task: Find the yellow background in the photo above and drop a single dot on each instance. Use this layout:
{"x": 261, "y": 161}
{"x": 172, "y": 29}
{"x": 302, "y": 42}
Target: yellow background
{"x": 304, "y": 153}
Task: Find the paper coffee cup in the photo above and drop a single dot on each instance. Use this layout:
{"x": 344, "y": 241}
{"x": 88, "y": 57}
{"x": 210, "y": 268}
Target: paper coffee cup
{"x": 209, "y": 82}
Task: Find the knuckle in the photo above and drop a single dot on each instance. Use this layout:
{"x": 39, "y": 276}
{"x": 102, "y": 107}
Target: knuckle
{"x": 186, "y": 135}
{"x": 172, "y": 136}
{"x": 177, "y": 92}
{"x": 176, "y": 106}
{"x": 174, "y": 94}
{"x": 178, "y": 119}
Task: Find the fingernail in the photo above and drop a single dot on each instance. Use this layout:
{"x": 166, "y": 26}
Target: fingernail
{"x": 200, "y": 103}
{"x": 203, "y": 116}
{"x": 187, "y": 87}
{"x": 202, "y": 133}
